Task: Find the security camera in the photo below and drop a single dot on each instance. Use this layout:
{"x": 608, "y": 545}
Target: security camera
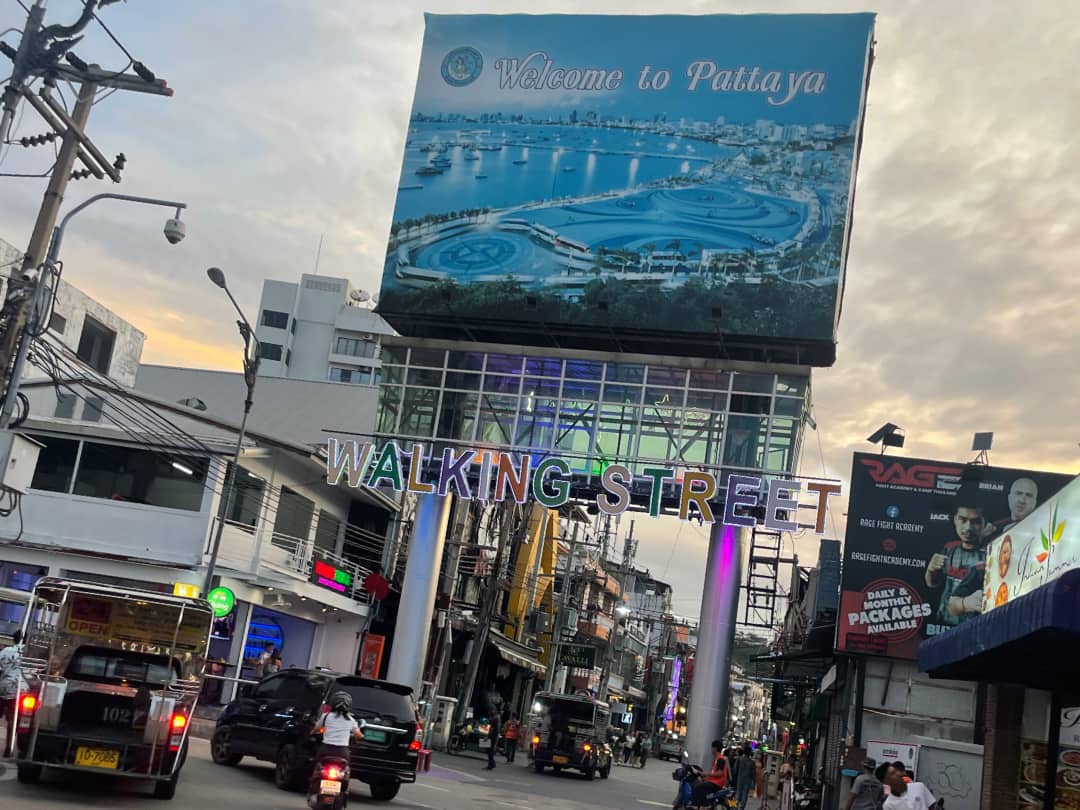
{"x": 175, "y": 230}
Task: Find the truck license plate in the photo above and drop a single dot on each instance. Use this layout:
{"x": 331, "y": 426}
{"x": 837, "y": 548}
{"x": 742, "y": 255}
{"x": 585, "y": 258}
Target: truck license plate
{"x": 97, "y": 757}
{"x": 561, "y": 760}
{"x": 330, "y": 787}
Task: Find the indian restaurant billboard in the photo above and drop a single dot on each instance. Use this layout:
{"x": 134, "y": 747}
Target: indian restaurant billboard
{"x": 665, "y": 182}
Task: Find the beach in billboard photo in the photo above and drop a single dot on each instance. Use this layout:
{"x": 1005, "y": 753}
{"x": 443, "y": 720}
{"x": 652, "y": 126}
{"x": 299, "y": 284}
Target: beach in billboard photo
{"x": 664, "y": 174}
{"x": 916, "y": 551}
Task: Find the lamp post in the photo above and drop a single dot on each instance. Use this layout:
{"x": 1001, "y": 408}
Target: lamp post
{"x": 251, "y": 370}
{"x": 175, "y": 231}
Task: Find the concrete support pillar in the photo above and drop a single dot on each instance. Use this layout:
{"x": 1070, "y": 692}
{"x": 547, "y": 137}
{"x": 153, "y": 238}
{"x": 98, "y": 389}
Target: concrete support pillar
{"x": 707, "y": 717}
{"x": 413, "y": 625}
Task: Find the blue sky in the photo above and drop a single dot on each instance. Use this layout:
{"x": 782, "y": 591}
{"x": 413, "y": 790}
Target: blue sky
{"x": 833, "y": 44}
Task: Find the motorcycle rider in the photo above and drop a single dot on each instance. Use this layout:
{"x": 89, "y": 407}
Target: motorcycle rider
{"x": 339, "y": 728}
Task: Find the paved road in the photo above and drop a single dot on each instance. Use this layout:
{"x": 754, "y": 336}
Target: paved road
{"x": 454, "y": 783}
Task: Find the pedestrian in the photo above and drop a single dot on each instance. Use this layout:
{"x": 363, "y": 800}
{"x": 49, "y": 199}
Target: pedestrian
{"x": 635, "y": 750}
{"x": 263, "y": 660}
{"x": 745, "y": 776}
{"x": 627, "y": 748}
{"x": 759, "y": 776}
{"x": 11, "y": 683}
{"x": 646, "y": 748}
{"x": 718, "y": 777}
{"x": 493, "y": 739}
{"x": 274, "y": 664}
{"x": 511, "y": 735}
{"x": 904, "y": 795}
{"x": 787, "y": 784}
{"x": 867, "y": 792}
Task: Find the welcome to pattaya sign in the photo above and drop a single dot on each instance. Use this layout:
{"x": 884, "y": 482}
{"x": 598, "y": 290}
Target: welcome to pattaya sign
{"x": 491, "y": 475}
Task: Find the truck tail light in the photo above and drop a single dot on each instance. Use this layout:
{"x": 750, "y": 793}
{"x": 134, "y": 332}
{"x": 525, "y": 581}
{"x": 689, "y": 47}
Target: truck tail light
{"x": 178, "y": 724}
{"x": 28, "y": 704}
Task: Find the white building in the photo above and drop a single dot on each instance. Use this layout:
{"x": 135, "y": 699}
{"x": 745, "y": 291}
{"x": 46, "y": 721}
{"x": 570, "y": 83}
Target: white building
{"x": 319, "y": 329}
{"x": 99, "y": 336}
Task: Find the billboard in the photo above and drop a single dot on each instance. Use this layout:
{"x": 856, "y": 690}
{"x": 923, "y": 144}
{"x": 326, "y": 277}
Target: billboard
{"x": 1035, "y": 551}
{"x": 915, "y": 547}
{"x": 614, "y": 181}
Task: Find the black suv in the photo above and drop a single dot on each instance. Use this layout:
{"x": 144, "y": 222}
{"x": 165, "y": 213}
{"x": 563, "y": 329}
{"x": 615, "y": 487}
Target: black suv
{"x": 275, "y": 721}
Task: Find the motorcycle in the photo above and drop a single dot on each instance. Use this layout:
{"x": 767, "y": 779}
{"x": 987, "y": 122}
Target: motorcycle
{"x": 689, "y": 777}
{"x": 807, "y": 796}
{"x": 330, "y": 784}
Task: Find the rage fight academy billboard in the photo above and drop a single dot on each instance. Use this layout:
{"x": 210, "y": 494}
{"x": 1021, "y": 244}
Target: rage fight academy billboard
{"x": 916, "y": 545}
{"x": 593, "y": 179}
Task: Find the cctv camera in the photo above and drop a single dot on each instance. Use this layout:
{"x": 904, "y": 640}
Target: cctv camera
{"x": 175, "y": 230}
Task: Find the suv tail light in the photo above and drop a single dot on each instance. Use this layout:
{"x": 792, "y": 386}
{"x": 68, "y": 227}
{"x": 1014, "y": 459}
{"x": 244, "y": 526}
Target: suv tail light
{"x": 28, "y": 704}
{"x": 417, "y": 741}
{"x": 178, "y": 724}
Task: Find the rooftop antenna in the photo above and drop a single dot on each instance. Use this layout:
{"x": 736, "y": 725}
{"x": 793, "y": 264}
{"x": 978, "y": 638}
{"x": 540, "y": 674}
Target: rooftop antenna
{"x": 318, "y": 254}
{"x": 981, "y": 443}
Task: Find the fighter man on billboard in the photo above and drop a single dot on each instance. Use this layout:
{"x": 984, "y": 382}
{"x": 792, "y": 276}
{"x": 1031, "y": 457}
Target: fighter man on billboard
{"x": 959, "y": 557}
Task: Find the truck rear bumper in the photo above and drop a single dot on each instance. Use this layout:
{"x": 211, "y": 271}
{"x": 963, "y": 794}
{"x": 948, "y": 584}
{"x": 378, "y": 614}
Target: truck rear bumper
{"x": 136, "y": 760}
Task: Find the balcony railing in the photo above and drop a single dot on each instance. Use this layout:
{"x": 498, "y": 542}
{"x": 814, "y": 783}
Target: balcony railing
{"x": 293, "y": 556}
{"x": 596, "y": 625}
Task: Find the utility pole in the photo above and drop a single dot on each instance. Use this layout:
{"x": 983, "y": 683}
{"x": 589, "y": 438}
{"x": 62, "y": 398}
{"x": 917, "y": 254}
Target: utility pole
{"x": 609, "y": 650}
{"x": 564, "y": 606}
{"x": 40, "y": 50}
{"x": 487, "y": 607}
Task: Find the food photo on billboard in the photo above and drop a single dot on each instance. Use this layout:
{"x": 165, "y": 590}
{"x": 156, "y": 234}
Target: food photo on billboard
{"x": 915, "y": 550}
{"x": 666, "y": 176}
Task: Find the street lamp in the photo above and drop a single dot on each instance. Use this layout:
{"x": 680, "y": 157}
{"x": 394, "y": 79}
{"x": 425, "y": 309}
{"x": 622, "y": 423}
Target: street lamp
{"x": 175, "y": 231}
{"x": 251, "y": 371}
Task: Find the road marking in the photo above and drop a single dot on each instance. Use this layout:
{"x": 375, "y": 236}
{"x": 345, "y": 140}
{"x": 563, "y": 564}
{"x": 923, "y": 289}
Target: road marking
{"x": 511, "y": 782}
{"x": 655, "y": 804}
{"x": 432, "y": 787}
{"x": 459, "y": 773}
{"x": 509, "y": 804}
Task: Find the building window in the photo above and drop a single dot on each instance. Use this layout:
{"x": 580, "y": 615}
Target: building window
{"x": 246, "y": 499}
{"x": 340, "y": 374}
{"x": 356, "y": 347}
{"x": 326, "y": 531}
{"x": 65, "y": 406}
{"x": 356, "y": 376}
{"x": 58, "y": 323}
{"x": 322, "y": 285}
{"x": 292, "y": 524}
{"x": 141, "y": 476}
{"x": 292, "y": 326}
{"x": 96, "y": 345}
{"x": 270, "y": 351}
{"x": 55, "y": 464}
{"x": 275, "y": 319}
{"x": 288, "y": 357}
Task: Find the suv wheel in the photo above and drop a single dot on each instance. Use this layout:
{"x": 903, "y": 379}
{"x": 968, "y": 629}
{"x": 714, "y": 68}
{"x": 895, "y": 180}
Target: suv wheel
{"x": 384, "y": 791}
{"x": 286, "y": 774}
{"x": 221, "y": 748}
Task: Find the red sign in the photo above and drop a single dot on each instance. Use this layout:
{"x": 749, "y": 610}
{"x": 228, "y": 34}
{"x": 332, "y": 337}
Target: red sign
{"x": 371, "y": 656}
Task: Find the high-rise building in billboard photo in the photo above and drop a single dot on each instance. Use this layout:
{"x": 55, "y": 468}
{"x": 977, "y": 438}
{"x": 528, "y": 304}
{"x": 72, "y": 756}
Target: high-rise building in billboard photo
{"x": 658, "y": 184}
{"x": 916, "y": 545}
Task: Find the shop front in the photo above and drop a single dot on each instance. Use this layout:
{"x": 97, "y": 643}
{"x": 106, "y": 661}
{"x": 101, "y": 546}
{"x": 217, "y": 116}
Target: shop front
{"x": 1023, "y": 647}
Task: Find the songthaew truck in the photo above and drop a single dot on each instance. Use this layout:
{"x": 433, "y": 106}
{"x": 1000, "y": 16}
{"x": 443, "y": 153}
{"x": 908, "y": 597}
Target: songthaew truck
{"x": 112, "y": 677}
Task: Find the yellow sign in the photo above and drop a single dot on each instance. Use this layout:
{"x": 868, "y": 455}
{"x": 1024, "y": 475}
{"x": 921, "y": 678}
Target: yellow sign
{"x": 186, "y": 590}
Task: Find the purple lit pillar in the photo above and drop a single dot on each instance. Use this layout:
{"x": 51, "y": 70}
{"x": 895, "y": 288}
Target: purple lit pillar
{"x": 707, "y": 714}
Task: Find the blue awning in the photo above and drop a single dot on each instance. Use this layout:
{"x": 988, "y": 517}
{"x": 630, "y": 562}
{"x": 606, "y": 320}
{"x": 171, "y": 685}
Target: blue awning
{"x": 1028, "y": 642}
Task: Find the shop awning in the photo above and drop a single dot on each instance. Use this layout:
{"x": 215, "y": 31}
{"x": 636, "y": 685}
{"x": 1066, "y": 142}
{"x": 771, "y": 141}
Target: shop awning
{"x": 1027, "y": 642}
{"x": 634, "y": 693}
{"x": 516, "y": 653}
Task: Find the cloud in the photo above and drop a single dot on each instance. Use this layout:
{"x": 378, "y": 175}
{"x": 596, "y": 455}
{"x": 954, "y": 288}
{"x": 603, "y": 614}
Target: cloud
{"x": 289, "y": 121}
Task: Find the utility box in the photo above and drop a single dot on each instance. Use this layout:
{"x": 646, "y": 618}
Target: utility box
{"x": 18, "y": 460}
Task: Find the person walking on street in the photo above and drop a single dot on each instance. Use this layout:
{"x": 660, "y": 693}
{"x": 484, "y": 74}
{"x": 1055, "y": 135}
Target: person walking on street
{"x": 493, "y": 739}
{"x": 635, "y": 750}
{"x": 905, "y": 795}
{"x": 867, "y": 792}
{"x": 511, "y": 735}
{"x": 759, "y": 776}
{"x": 11, "y": 683}
{"x": 745, "y": 776}
{"x": 627, "y": 749}
{"x": 646, "y": 748}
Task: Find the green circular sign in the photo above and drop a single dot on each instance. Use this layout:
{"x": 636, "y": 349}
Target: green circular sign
{"x": 222, "y": 600}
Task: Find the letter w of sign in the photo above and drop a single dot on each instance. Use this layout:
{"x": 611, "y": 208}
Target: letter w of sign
{"x": 923, "y": 476}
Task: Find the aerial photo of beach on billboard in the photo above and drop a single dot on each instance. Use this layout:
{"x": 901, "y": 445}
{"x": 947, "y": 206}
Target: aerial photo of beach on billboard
{"x": 631, "y": 174}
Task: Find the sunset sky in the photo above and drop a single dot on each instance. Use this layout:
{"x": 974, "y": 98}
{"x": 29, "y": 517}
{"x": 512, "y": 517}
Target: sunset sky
{"x": 288, "y": 122}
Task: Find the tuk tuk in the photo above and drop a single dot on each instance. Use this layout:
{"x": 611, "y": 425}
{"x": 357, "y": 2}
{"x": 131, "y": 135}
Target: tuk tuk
{"x": 570, "y": 731}
{"x": 112, "y": 678}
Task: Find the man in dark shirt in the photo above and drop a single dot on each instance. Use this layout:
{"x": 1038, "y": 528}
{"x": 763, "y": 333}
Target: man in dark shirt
{"x": 958, "y": 558}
